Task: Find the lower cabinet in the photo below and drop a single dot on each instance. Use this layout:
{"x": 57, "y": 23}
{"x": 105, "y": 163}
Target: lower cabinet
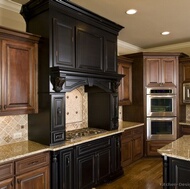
{"x": 131, "y": 145}
{"x": 7, "y": 184}
{"x": 87, "y": 165}
{"x": 7, "y": 176}
{"x": 175, "y": 173}
{"x": 153, "y": 146}
{"x": 27, "y": 173}
{"x": 184, "y": 130}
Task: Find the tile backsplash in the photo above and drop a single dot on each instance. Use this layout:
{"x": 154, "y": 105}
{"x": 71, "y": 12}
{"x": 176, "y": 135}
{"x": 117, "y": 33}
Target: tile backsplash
{"x": 11, "y": 125}
{"x": 187, "y": 112}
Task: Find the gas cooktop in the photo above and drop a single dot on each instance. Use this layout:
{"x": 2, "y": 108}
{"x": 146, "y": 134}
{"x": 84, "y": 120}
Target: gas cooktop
{"x": 79, "y": 133}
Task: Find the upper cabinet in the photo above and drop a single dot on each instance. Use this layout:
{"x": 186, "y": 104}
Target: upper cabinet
{"x": 74, "y": 39}
{"x": 18, "y": 69}
{"x": 125, "y": 88}
{"x": 161, "y": 71}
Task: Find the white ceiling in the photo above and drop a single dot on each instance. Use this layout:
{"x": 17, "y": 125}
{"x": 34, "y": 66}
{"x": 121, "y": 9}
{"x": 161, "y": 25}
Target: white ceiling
{"x": 143, "y": 29}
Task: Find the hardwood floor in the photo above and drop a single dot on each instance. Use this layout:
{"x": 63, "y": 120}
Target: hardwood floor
{"x": 145, "y": 173}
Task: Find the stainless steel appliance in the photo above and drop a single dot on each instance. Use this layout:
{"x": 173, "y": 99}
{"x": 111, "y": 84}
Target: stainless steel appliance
{"x": 186, "y": 92}
{"x": 161, "y": 102}
{"x": 161, "y": 128}
{"x": 161, "y": 114}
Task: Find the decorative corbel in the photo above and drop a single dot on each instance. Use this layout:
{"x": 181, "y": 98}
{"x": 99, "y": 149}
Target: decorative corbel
{"x": 115, "y": 85}
{"x": 57, "y": 83}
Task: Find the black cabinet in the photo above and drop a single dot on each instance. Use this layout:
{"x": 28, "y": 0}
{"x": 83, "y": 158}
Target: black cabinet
{"x": 176, "y": 173}
{"x": 93, "y": 162}
{"x": 87, "y": 165}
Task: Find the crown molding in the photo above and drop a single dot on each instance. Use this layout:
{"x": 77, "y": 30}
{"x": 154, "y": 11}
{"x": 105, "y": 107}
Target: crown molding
{"x": 10, "y": 5}
{"x": 170, "y": 47}
{"x": 127, "y": 48}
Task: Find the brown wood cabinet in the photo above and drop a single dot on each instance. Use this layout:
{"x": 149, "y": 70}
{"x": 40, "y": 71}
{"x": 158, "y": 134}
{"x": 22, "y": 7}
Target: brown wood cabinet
{"x": 184, "y": 130}
{"x": 153, "y": 146}
{"x": 161, "y": 71}
{"x": 131, "y": 145}
{"x": 33, "y": 172}
{"x": 26, "y": 173}
{"x": 7, "y": 176}
{"x": 18, "y": 69}
{"x": 125, "y": 88}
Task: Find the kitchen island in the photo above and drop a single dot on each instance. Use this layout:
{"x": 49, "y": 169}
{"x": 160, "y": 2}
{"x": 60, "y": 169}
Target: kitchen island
{"x": 176, "y": 163}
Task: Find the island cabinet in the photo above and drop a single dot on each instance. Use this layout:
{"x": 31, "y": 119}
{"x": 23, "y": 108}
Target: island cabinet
{"x": 131, "y": 145}
{"x": 125, "y": 87}
{"x": 87, "y": 165}
{"x": 18, "y": 70}
{"x": 175, "y": 173}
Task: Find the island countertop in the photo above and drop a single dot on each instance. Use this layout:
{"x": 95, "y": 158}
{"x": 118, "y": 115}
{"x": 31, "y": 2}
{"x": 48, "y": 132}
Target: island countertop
{"x": 179, "y": 149}
{"x": 18, "y": 150}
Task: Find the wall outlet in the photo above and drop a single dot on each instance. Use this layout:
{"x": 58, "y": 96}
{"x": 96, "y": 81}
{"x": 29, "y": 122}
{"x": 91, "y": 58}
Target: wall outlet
{"x": 17, "y": 135}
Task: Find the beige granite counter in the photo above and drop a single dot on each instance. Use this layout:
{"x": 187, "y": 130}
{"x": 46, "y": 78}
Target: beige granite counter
{"x": 184, "y": 123}
{"x": 180, "y": 148}
{"x": 14, "y": 151}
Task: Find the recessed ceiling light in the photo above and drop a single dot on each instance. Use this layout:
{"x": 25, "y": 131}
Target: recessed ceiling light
{"x": 131, "y": 11}
{"x": 165, "y": 33}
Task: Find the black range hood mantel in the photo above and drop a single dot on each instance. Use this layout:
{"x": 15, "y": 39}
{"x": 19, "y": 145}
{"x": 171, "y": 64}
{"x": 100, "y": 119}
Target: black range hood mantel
{"x": 65, "y": 81}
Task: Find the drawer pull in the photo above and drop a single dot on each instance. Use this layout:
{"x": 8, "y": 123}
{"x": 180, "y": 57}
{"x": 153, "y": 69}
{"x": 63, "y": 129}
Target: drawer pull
{"x": 33, "y": 163}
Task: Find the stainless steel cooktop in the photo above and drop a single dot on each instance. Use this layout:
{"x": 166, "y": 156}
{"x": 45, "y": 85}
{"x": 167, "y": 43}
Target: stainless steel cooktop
{"x": 79, "y": 133}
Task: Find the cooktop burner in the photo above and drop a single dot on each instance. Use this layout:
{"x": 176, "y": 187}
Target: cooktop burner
{"x": 75, "y": 134}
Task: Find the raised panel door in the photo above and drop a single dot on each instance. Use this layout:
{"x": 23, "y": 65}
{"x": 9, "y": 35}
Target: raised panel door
{"x": 137, "y": 146}
{"x": 67, "y": 172}
{"x": 89, "y": 48}
{"x": 126, "y": 152}
{"x": 103, "y": 164}
{"x": 19, "y": 77}
{"x": 64, "y": 41}
{"x": 34, "y": 179}
{"x": 110, "y": 54}
{"x": 152, "y": 71}
{"x": 169, "y": 72}
{"x": 7, "y": 184}
{"x": 86, "y": 171}
{"x": 125, "y": 87}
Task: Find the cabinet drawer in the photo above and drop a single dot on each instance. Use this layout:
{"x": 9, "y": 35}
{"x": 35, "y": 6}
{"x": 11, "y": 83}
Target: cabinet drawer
{"x": 93, "y": 146}
{"x": 32, "y": 162}
{"x": 138, "y": 130}
{"x": 6, "y": 170}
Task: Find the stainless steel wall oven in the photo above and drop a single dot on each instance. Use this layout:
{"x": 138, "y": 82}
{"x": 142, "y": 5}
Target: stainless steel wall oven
{"x": 161, "y": 112}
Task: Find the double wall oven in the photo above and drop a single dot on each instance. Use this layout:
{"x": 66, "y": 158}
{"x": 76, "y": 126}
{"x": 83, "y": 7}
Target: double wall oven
{"x": 161, "y": 113}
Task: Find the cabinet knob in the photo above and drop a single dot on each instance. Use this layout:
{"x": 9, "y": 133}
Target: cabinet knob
{"x": 59, "y": 112}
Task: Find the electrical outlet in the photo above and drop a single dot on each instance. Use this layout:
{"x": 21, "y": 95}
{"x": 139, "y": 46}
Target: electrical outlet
{"x": 17, "y": 135}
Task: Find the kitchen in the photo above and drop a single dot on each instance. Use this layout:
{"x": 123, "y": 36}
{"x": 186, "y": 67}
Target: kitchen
{"x": 58, "y": 100}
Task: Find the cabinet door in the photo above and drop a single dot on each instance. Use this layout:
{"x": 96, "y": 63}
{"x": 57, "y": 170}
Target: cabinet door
{"x": 63, "y": 41}
{"x": 153, "y": 72}
{"x": 184, "y": 130}
{"x": 86, "y": 170}
{"x": 125, "y": 88}
{"x": 137, "y": 147}
{"x": 89, "y": 48}
{"x": 19, "y": 77}
{"x": 66, "y": 179}
{"x": 185, "y": 72}
{"x": 7, "y": 184}
{"x": 126, "y": 152}
{"x": 110, "y": 53}
{"x": 34, "y": 179}
{"x": 103, "y": 164}
{"x": 169, "y": 71}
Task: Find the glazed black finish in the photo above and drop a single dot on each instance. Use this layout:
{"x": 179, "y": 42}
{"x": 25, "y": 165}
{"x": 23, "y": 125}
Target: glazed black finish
{"x": 87, "y": 165}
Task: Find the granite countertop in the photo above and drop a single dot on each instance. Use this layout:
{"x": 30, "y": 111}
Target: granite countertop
{"x": 14, "y": 151}
{"x": 179, "y": 149}
{"x": 184, "y": 123}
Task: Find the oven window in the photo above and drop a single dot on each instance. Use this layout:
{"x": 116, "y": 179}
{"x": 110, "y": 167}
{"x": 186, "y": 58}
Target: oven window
{"x": 161, "y": 105}
{"x": 161, "y": 127}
